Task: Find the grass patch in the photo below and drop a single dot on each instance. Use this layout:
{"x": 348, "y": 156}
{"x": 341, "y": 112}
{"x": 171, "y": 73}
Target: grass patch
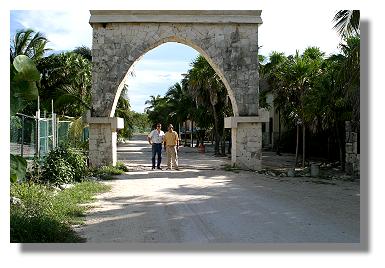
{"x": 232, "y": 168}
{"x": 45, "y": 215}
{"x": 122, "y": 166}
{"x": 108, "y": 172}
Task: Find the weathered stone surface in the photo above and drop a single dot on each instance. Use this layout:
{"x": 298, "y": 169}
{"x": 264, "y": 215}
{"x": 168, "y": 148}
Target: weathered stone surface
{"x": 102, "y": 141}
{"x": 227, "y": 39}
{"x": 246, "y": 150}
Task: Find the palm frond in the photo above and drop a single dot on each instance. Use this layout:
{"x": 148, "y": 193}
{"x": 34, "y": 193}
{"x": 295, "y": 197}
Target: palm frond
{"x": 347, "y": 22}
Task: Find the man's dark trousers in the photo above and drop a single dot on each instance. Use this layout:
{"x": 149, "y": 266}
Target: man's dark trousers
{"x": 156, "y": 149}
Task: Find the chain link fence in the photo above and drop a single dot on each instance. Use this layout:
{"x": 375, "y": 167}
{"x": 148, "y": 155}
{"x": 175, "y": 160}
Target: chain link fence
{"x": 23, "y": 135}
{"x": 32, "y": 136}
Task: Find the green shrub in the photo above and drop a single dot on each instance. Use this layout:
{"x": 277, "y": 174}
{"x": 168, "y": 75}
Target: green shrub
{"x": 121, "y": 166}
{"x": 107, "y": 172}
{"x": 78, "y": 161}
{"x": 34, "y": 219}
{"x": 64, "y": 165}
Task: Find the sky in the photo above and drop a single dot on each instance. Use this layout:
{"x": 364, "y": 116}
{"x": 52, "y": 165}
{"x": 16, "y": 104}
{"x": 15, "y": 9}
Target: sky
{"x": 288, "y": 25}
{"x": 163, "y": 66}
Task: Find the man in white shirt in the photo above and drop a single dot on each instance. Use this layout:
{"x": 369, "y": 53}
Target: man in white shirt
{"x": 155, "y": 138}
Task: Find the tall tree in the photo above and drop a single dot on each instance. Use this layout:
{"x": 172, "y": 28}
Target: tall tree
{"x": 271, "y": 72}
{"x": 327, "y": 103}
{"x": 158, "y": 110}
{"x": 66, "y": 79}
{"x": 297, "y": 76}
{"x": 207, "y": 88}
{"x": 180, "y": 103}
{"x": 123, "y": 110}
{"x": 29, "y": 43}
{"x": 349, "y": 74}
{"x": 347, "y": 23}
{"x": 84, "y": 51}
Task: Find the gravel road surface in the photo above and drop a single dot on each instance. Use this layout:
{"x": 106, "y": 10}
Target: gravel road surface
{"x": 203, "y": 203}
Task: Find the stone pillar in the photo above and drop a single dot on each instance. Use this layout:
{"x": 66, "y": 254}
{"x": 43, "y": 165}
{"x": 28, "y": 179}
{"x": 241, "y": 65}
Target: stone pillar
{"x": 103, "y": 139}
{"x": 246, "y": 139}
{"x": 352, "y": 156}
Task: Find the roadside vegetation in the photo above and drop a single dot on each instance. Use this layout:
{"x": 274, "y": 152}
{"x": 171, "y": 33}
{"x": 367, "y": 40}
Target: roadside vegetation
{"x": 49, "y": 197}
{"x": 108, "y": 172}
{"x": 43, "y": 214}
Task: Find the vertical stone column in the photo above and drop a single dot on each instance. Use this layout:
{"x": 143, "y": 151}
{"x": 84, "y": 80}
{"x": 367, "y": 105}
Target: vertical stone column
{"x": 103, "y": 139}
{"x": 246, "y": 140}
{"x": 352, "y": 157}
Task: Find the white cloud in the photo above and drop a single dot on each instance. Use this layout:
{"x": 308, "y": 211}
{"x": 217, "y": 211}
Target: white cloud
{"x": 147, "y": 83}
{"x": 65, "y": 29}
{"x": 288, "y": 30}
{"x": 153, "y": 76}
{"x": 153, "y": 64}
{"x": 137, "y": 101}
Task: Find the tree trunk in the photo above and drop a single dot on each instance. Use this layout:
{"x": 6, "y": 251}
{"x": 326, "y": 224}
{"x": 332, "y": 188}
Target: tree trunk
{"x": 296, "y": 147}
{"x": 198, "y": 138}
{"x": 185, "y": 133}
{"x": 303, "y": 145}
{"x": 216, "y": 131}
{"x": 179, "y": 133}
{"x": 279, "y": 133}
{"x": 229, "y": 148}
{"x": 340, "y": 144}
{"x": 191, "y": 134}
{"x": 223, "y": 142}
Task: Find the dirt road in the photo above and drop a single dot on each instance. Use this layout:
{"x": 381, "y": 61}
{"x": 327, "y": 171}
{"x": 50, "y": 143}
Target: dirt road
{"x": 203, "y": 203}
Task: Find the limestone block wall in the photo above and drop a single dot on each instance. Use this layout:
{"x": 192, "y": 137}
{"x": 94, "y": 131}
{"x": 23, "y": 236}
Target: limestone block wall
{"x": 248, "y": 149}
{"x": 230, "y": 48}
{"x": 102, "y": 144}
{"x": 352, "y": 156}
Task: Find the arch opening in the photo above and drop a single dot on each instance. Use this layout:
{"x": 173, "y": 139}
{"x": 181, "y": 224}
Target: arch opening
{"x": 172, "y": 39}
{"x": 202, "y": 116}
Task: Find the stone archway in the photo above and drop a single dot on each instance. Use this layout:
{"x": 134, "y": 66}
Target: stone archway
{"x": 227, "y": 39}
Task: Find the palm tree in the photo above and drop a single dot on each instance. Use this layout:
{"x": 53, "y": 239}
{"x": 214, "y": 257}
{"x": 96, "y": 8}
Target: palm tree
{"x": 152, "y": 102}
{"x": 270, "y": 72}
{"x": 84, "y": 51}
{"x": 327, "y": 102}
{"x": 158, "y": 110}
{"x": 347, "y": 22}
{"x": 206, "y": 87}
{"x": 349, "y": 74}
{"x": 297, "y": 77}
{"x": 66, "y": 79}
{"x": 30, "y": 43}
{"x": 123, "y": 110}
{"x": 180, "y": 102}
{"x": 348, "y": 26}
